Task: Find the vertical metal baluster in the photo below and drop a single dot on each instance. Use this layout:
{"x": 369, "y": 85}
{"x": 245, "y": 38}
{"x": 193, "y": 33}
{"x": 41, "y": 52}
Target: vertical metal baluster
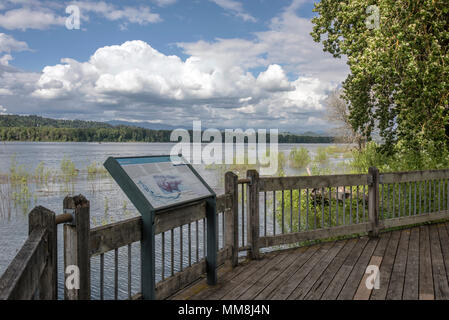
{"x": 265, "y": 212}
{"x": 172, "y": 251}
{"x": 243, "y": 215}
{"x": 399, "y": 200}
{"x": 405, "y": 199}
{"x": 420, "y": 196}
{"x": 129, "y": 271}
{"x": 337, "y": 206}
{"x": 197, "y": 241}
{"x": 394, "y": 200}
{"x": 388, "y": 198}
{"x": 414, "y": 203}
{"x": 307, "y": 208}
{"x": 434, "y": 196}
{"x": 291, "y": 210}
{"x": 274, "y": 213}
{"x": 322, "y": 224}
{"x": 410, "y": 199}
{"x": 350, "y": 205}
{"x": 358, "y": 199}
{"x": 116, "y": 274}
{"x": 163, "y": 256}
{"x": 440, "y": 190}
{"x": 223, "y": 230}
{"x": 425, "y": 196}
{"x": 330, "y": 207}
{"x": 102, "y": 276}
{"x": 314, "y": 208}
{"x": 432, "y": 207}
{"x": 430, "y": 196}
{"x": 283, "y": 207}
{"x": 447, "y": 197}
{"x": 382, "y": 202}
{"x": 439, "y": 195}
{"x": 181, "y": 248}
{"x": 442, "y": 193}
{"x": 190, "y": 244}
{"x": 344, "y": 205}
{"x": 299, "y": 210}
{"x": 364, "y": 203}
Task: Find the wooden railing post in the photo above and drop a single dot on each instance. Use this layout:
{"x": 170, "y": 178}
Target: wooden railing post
{"x": 373, "y": 201}
{"x": 76, "y": 248}
{"x": 40, "y": 217}
{"x": 232, "y": 217}
{"x": 253, "y": 214}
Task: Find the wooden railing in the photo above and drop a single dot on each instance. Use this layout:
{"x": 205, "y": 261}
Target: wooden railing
{"x": 33, "y": 272}
{"x": 188, "y": 221}
{"x": 254, "y": 214}
{"x": 323, "y": 207}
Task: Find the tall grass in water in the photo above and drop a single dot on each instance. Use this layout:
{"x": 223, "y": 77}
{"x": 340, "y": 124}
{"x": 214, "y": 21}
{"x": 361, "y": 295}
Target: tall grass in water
{"x": 68, "y": 174}
{"x": 299, "y": 158}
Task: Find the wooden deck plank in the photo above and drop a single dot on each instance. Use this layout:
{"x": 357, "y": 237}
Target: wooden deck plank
{"x": 414, "y": 264}
{"x": 411, "y": 283}
{"x": 426, "y": 291}
{"x": 387, "y": 266}
{"x": 362, "y": 291}
{"x": 352, "y": 283}
{"x": 302, "y": 259}
{"x": 382, "y": 245}
{"x": 252, "y": 279}
{"x": 296, "y": 278}
{"x": 271, "y": 275}
{"x": 396, "y": 286}
{"x": 342, "y": 275}
{"x": 300, "y": 292}
{"x": 325, "y": 279}
{"x": 201, "y": 289}
{"x": 438, "y": 269}
{"x": 224, "y": 286}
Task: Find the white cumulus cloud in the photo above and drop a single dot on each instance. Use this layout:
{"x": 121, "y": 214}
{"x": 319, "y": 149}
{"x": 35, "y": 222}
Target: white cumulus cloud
{"x": 9, "y": 44}
{"x": 28, "y": 18}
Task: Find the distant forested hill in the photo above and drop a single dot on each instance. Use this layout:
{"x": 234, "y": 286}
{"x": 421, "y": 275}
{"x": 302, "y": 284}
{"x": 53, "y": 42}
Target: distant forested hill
{"x": 34, "y": 128}
{"x": 36, "y": 121}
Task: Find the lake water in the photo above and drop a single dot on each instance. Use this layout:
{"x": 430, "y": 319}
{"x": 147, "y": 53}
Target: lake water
{"x": 108, "y": 203}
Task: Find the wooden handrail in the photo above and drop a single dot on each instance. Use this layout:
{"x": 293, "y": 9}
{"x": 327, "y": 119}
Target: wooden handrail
{"x": 63, "y": 218}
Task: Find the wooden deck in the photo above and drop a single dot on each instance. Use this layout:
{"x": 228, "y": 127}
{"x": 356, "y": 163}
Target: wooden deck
{"x": 414, "y": 264}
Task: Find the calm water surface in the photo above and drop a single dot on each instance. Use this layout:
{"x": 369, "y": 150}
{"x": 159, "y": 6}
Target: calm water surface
{"x": 108, "y": 203}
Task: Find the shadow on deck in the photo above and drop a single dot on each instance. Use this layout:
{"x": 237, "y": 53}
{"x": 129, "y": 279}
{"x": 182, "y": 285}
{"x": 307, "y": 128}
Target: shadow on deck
{"x": 413, "y": 263}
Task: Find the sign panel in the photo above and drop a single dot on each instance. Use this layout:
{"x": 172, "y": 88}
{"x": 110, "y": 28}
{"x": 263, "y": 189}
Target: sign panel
{"x": 164, "y": 183}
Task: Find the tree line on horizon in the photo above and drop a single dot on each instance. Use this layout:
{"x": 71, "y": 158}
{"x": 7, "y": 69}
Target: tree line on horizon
{"x": 38, "y": 129}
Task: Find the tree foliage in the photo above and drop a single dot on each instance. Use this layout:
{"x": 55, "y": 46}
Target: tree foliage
{"x": 399, "y": 79}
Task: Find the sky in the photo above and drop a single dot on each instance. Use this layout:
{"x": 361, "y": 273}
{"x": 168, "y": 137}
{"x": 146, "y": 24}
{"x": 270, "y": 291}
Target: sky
{"x": 229, "y": 63}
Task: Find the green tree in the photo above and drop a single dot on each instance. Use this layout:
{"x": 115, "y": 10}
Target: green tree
{"x": 399, "y": 72}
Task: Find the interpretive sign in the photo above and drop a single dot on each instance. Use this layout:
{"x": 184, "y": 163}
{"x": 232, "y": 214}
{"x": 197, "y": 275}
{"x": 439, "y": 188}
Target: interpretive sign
{"x": 155, "y": 185}
{"x": 163, "y": 182}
